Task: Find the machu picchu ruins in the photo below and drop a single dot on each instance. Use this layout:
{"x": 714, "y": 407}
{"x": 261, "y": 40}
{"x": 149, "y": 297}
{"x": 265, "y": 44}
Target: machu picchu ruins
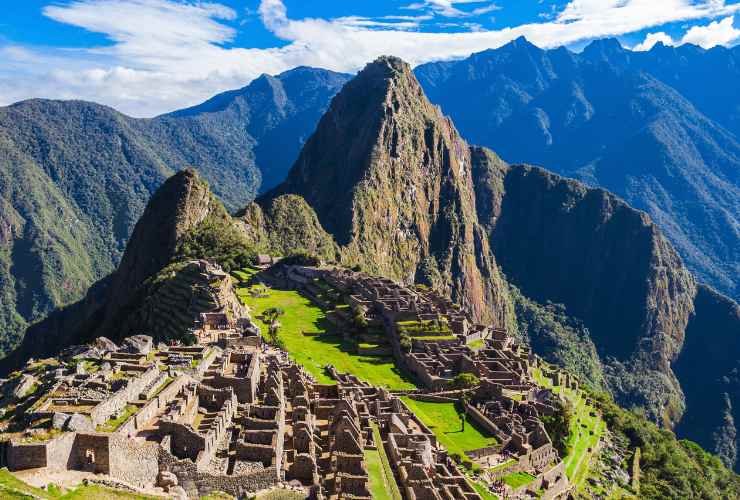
{"x": 231, "y": 412}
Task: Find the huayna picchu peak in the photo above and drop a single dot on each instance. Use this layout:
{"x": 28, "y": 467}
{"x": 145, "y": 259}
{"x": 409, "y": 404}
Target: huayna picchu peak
{"x": 320, "y": 289}
{"x": 390, "y": 179}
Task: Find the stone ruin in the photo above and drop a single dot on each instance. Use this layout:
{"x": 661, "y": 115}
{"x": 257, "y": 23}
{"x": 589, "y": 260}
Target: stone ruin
{"x": 232, "y": 415}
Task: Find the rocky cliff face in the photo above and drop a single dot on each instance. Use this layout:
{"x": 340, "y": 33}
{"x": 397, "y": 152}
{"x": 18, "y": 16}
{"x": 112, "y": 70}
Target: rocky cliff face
{"x": 390, "y": 179}
{"x": 559, "y": 241}
{"x": 644, "y": 125}
{"x": 708, "y": 369}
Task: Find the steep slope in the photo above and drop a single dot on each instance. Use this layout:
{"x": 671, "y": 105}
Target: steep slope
{"x": 559, "y": 241}
{"x": 389, "y": 178}
{"x": 75, "y": 177}
{"x": 183, "y": 221}
{"x": 709, "y": 371}
{"x": 611, "y": 118}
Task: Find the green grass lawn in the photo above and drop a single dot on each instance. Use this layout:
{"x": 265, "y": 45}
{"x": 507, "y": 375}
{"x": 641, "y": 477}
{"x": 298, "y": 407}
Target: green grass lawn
{"x": 444, "y": 421}
{"x": 316, "y": 351}
{"x": 518, "y": 479}
{"x": 477, "y": 345}
{"x": 382, "y": 482}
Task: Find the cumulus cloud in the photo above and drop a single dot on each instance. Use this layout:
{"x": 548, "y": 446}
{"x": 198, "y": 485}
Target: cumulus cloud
{"x": 651, "y": 39}
{"x": 166, "y": 54}
{"x": 722, "y": 32}
{"x": 715, "y": 33}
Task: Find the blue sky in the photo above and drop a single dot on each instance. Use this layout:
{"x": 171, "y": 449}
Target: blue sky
{"x": 146, "y": 57}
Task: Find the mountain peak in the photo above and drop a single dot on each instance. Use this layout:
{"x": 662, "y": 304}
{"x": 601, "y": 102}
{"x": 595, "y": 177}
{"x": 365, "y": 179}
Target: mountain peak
{"x": 385, "y": 161}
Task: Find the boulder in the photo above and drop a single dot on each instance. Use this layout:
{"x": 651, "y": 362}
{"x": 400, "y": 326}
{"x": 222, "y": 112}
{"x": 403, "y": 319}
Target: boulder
{"x": 79, "y": 423}
{"x": 25, "y": 383}
{"x": 166, "y": 479}
{"x": 137, "y": 344}
{"x": 104, "y": 344}
{"x": 59, "y": 420}
{"x": 105, "y": 367}
{"x": 177, "y": 492}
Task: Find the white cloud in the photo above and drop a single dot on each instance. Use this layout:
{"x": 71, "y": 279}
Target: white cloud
{"x": 651, "y": 39}
{"x": 166, "y": 54}
{"x": 447, "y": 8}
{"x": 715, "y": 33}
{"x": 721, "y": 32}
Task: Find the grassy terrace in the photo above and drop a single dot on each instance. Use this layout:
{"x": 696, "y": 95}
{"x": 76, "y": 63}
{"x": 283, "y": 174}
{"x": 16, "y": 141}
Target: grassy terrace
{"x": 585, "y": 431}
{"x": 518, "y": 479}
{"x": 444, "y": 421}
{"x": 312, "y": 341}
{"x": 113, "y": 424}
{"x": 382, "y": 482}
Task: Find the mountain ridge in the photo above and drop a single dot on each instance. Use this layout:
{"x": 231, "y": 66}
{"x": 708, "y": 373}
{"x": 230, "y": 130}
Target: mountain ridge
{"x": 620, "y": 120}
{"x": 76, "y": 176}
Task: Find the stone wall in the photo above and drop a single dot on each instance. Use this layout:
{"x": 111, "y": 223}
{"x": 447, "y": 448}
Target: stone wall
{"x": 91, "y": 453}
{"x": 21, "y": 456}
{"x": 59, "y": 451}
{"x": 197, "y": 483}
{"x": 103, "y": 411}
{"x": 134, "y": 462}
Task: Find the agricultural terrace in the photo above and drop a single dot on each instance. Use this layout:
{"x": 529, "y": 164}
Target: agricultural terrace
{"x": 311, "y": 340}
{"x": 425, "y": 330}
{"x": 382, "y": 483}
{"x": 445, "y": 421}
{"x": 586, "y": 429}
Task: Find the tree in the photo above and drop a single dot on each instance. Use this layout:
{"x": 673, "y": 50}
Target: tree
{"x": 464, "y": 402}
{"x": 271, "y": 315}
{"x": 557, "y": 426}
{"x": 465, "y": 381}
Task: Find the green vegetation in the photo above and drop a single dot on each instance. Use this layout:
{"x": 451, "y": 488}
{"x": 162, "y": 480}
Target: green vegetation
{"x": 382, "y": 482}
{"x": 114, "y": 423}
{"x": 434, "y": 328}
{"x": 217, "y": 239}
{"x": 669, "y": 468}
{"x": 584, "y": 429}
{"x": 280, "y": 494}
{"x": 42, "y": 436}
{"x": 558, "y": 426}
{"x": 301, "y": 321}
{"x": 477, "y": 345}
{"x": 483, "y": 491}
{"x": 518, "y": 479}
{"x": 465, "y": 381}
{"x": 444, "y": 420}
{"x": 558, "y": 338}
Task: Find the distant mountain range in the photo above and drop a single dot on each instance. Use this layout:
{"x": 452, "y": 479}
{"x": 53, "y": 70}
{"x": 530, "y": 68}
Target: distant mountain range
{"x": 659, "y": 128}
{"x": 76, "y": 176}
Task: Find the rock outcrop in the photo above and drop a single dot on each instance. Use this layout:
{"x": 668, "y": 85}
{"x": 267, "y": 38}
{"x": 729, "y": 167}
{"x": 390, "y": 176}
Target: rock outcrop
{"x": 389, "y": 177}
